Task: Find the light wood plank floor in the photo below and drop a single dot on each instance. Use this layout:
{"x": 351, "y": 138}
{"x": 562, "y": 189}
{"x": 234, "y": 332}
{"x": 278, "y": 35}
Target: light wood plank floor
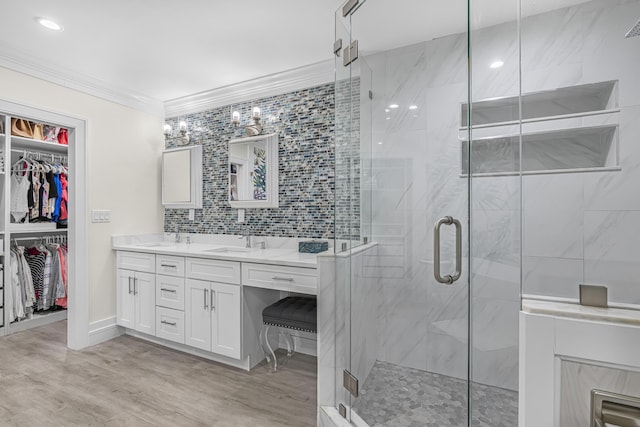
{"x": 130, "y": 382}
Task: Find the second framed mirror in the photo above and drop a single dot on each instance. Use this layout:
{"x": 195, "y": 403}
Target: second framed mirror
{"x": 253, "y": 172}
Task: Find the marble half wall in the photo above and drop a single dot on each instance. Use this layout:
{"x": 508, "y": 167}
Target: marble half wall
{"x": 348, "y": 302}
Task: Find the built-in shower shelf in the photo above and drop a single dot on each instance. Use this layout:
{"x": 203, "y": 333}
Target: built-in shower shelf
{"x": 566, "y": 102}
{"x": 565, "y": 150}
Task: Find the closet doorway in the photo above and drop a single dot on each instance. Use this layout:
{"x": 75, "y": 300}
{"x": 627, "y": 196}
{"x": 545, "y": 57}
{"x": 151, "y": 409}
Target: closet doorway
{"x": 43, "y": 221}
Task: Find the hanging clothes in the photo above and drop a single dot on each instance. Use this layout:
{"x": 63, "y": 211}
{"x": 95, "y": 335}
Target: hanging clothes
{"x": 42, "y": 187}
{"x": 19, "y": 191}
{"x": 36, "y": 260}
{"x": 62, "y": 220}
{"x": 61, "y": 301}
{"x": 38, "y": 279}
{"x": 21, "y": 282}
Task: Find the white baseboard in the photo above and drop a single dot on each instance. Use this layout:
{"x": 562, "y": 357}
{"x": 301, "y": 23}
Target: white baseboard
{"x": 241, "y": 364}
{"x": 104, "y": 330}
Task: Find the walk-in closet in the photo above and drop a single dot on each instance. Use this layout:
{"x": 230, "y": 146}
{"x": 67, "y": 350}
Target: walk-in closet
{"x": 34, "y": 161}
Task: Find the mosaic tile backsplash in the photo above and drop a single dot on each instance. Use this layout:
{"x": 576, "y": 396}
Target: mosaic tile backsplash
{"x": 304, "y": 122}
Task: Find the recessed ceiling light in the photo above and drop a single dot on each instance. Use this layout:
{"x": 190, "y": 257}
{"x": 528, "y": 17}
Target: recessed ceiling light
{"x": 496, "y": 64}
{"x": 413, "y": 107}
{"x": 380, "y": 143}
{"x": 386, "y": 110}
{"x": 393, "y": 106}
{"x": 49, "y": 24}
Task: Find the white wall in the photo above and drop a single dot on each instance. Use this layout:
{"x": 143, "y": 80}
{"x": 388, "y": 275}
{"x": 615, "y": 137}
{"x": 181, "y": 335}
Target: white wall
{"x": 123, "y": 168}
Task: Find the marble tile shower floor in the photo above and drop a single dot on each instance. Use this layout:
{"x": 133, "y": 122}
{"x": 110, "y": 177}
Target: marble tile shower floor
{"x": 397, "y": 396}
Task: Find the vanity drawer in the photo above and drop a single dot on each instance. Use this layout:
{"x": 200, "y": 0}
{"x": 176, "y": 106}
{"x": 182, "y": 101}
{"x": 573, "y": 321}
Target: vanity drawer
{"x": 136, "y": 261}
{"x": 170, "y": 292}
{"x": 213, "y": 270}
{"x": 291, "y": 279}
{"x": 170, "y": 265}
{"x": 170, "y": 324}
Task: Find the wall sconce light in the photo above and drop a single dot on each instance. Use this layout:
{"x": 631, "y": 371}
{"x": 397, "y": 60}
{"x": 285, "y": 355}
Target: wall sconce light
{"x": 182, "y": 138}
{"x": 253, "y": 129}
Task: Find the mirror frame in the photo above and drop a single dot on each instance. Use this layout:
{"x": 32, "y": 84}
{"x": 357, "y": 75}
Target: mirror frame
{"x": 272, "y": 148}
{"x": 195, "y": 178}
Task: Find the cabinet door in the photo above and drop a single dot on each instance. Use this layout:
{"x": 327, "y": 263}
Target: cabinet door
{"x": 226, "y": 320}
{"x": 197, "y": 314}
{"x": 145, "y": 302}
{"x": 125, "y": 300}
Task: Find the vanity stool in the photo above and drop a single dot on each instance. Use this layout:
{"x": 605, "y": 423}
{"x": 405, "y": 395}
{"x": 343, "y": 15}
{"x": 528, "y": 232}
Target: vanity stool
{"x": 296, "y": 312}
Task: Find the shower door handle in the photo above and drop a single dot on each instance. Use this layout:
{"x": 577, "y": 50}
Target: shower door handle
{"x": 448, "y": 278}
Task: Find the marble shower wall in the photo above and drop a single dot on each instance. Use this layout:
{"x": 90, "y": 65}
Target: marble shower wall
{"x": 415, "y": 181}
{"x": 575, "y": 227}
{"x": 584, "y": 227}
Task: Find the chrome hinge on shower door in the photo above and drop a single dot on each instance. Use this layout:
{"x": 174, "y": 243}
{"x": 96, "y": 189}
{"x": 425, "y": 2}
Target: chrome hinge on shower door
{"x": 349, "y": 6}
{"x": 350, "y": 382}
{"x": 342, "y": 410}
{"x": 337, "y": 47}
{"x": 350, "y": 53}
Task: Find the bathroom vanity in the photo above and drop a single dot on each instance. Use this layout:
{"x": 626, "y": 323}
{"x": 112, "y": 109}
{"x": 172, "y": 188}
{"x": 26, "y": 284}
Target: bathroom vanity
{"x": 205, "y": 298}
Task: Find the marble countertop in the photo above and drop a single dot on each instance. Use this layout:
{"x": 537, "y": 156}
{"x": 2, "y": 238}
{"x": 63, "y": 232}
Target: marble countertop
{"x": 577, "y": 311}
{"x": 286, "y": 256}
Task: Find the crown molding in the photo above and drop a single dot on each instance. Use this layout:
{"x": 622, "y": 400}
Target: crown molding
{"x": 270, "y": 85}
{"x": 22, "y": 63}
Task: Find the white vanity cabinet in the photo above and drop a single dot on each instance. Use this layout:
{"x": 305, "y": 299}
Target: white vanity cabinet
{"x": 136, "y": 292}
{"x": 201, "y": 305}
{"x": 214, "y": 309}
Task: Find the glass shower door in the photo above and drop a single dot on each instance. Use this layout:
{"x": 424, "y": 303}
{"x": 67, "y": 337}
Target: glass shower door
{"x": 406, "y": 302}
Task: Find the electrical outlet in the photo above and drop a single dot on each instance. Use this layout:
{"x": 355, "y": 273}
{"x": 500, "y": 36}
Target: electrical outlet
{"x": 100, "y": 216}
{"x": 240, "y": 215}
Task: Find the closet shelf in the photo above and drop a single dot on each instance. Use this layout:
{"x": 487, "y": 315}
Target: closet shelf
{"x": 35, "y": 228}
{"x": 20, "y": 143}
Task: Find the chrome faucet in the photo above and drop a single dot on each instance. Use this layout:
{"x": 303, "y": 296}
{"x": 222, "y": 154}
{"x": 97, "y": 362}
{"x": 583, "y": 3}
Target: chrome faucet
{"x": 177, "y": 237}
{"x": 246, "y": 235}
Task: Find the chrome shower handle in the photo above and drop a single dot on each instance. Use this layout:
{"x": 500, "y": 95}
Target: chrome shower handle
{"x": 448, "y": 278}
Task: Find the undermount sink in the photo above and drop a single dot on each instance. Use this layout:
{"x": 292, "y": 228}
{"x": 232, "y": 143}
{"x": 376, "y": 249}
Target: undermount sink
{"x": 156, "y": 244}
{"x": 231, "y": 249}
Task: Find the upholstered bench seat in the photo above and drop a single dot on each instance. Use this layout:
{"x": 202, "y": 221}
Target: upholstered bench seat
{"x": 298, "y": 313}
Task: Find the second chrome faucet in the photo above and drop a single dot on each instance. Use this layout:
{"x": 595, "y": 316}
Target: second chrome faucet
{"x": 246, "y": 235}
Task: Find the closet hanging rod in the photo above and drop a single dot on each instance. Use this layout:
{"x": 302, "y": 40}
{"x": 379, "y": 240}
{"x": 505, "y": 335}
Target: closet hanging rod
{"x": 21, "y": 239}
{"x": 38, "y": 237}
{"x": 40, "y": 155}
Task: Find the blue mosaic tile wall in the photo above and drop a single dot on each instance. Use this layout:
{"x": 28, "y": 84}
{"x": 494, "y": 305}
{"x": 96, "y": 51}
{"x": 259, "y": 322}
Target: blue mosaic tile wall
{"x": 304, "y": 122}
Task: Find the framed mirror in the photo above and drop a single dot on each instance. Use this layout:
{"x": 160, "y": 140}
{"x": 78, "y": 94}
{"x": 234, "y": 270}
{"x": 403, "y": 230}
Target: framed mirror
{"x": 253, "y": 172}
{"x": 182, "y": 177}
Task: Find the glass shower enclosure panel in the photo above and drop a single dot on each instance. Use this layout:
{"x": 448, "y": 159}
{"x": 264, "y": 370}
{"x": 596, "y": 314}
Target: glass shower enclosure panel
{"x": 406, "y": 338}
{"x": 494, "y": 127}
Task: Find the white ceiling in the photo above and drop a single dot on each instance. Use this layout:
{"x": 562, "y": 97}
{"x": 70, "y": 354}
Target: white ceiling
{"x": 158, "y": 50}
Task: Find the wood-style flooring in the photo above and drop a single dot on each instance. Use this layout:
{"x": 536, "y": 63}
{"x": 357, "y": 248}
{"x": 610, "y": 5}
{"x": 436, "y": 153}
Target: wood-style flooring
{"x": 130, "y": 382}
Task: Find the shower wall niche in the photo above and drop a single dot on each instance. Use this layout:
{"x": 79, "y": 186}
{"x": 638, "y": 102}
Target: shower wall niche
{"x": 568, "y": 129}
